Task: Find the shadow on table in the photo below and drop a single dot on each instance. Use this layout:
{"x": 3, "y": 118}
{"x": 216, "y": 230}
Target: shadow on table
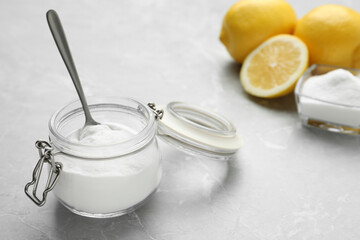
{"x": 285, "y": 103}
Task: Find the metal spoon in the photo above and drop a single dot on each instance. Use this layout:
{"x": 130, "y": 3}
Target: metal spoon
{"x": 61, "y": 43}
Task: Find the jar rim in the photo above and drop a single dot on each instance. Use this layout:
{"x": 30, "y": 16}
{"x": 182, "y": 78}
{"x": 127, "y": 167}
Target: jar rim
{"x": 198, "y": 131}
{"x": 131, "y": 144}
{"x": 214, "y": 124}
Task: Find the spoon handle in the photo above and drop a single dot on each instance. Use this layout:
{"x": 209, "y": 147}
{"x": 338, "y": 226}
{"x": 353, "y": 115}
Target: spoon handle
{"x": 61, "y": 43}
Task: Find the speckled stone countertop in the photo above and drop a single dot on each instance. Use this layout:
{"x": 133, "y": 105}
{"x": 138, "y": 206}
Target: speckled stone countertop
{"x": 286, "y": 182}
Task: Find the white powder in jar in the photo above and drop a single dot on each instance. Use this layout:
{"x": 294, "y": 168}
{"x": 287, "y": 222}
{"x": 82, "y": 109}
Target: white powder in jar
{"x": 101, "y": 134}
{"x": 334, "y": 90}
{"x": 106, "y": 186}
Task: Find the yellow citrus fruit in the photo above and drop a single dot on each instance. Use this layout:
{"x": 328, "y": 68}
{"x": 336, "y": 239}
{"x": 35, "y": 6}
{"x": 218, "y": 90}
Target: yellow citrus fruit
{"x": 332, "y": 35}
{"x": 273, "y": 68}
{"x": 248, "y": 23}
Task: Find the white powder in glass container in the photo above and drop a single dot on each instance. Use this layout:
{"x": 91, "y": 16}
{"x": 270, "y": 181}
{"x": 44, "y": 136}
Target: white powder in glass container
{"x": 110, "y": 185}
{"x": 339, "y": 95}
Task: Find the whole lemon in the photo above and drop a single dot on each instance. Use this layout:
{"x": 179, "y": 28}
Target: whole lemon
{"x": 248, "y": 23}
{"x": 332, "y": 35}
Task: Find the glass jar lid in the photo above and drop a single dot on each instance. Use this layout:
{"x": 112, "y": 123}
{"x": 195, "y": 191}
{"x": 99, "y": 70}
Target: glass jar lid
{"x": 198, "y": 131}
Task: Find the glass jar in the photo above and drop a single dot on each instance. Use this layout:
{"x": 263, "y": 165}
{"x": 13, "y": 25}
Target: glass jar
{"x": 115, "y": 179}
{"x": 106, "y": 180}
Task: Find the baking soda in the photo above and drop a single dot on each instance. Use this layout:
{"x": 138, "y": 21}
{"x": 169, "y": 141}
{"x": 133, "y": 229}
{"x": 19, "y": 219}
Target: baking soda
{"x": 107, "y": 185}
{"x": 333, "y": 97}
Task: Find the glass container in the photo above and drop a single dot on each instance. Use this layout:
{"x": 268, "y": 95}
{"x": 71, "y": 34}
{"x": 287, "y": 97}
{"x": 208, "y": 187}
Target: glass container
{"x": 327, "y": 115}
{"x": 106, "y": 180}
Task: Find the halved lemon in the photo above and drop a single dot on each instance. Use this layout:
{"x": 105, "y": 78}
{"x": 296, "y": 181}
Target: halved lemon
{"x": 273, "y": 68}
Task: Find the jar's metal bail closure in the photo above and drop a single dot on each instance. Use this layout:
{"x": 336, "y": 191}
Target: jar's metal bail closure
{"x": 46, "y": 156}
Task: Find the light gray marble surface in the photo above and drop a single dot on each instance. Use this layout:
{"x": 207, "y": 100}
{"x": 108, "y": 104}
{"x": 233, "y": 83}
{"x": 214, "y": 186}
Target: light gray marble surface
{"x": 286, "y": 182}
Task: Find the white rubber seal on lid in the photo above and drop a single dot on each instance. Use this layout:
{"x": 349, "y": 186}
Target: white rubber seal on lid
{"x": 198, "y": 131}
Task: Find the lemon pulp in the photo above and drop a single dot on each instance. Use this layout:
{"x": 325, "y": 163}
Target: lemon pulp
{"x": 273, "y": 68}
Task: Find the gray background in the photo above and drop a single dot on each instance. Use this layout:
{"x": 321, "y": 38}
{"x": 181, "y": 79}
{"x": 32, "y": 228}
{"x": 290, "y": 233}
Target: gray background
{"x": 286, "y": 182}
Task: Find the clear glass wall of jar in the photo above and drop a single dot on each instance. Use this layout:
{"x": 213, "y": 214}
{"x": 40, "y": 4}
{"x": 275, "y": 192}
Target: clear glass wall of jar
{"x": 106, "y": 180}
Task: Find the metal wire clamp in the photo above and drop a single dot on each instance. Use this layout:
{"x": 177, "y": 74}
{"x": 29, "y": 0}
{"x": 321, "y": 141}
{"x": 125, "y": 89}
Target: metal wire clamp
{"x": 158, "y": 112}
{"x": 46, "y": 156}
